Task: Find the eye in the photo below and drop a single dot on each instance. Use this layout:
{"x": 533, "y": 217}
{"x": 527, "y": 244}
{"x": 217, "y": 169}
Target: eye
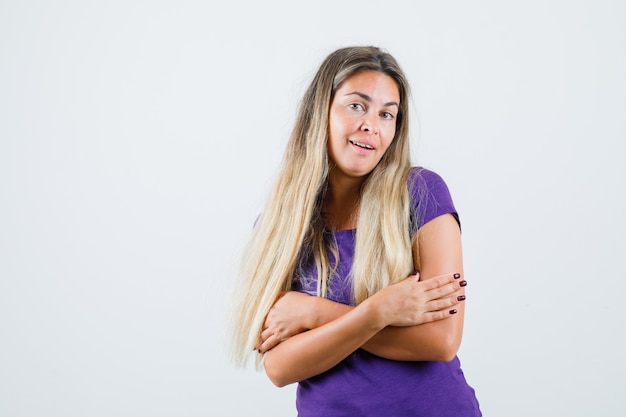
{"x": 387, "y": 115}
{"x": 356, "y": 106}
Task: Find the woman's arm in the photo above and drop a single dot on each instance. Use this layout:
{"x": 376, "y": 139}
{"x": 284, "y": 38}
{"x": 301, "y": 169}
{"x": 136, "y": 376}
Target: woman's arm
{"x": 439, "y": 251}
{"x": 439, "y": 247}
{"x": 407, "y": 303}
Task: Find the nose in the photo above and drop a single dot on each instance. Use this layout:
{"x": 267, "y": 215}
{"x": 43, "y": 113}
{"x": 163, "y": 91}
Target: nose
{"x": 370, "y": 124}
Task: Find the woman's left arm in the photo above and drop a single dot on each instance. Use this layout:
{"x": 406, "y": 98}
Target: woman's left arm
{"x": 438, "y": 248}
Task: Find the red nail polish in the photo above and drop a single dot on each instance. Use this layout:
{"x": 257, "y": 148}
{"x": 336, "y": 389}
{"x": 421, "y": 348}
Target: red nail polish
{"x": 460, "y": 297}
{"x": 453, "y": 311}
{"x": 463, "y": 283}
{"x": 457, "y": 276}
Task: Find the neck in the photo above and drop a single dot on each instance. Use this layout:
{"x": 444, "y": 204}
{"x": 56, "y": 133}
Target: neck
{"x": 342, "y": 202}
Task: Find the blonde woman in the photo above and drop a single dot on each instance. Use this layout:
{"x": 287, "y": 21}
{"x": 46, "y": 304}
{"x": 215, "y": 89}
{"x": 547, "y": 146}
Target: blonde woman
{"x": 329, "y": 296}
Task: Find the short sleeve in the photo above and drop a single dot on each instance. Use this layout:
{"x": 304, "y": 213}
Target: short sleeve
{"x": 430, "y": 197}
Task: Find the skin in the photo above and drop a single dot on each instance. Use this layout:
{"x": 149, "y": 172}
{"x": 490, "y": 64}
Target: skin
{"x": 363, "y": 111}
{"x": 419, "y": 318}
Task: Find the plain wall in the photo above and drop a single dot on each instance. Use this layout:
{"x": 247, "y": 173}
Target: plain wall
{"x": 138, "y": 139}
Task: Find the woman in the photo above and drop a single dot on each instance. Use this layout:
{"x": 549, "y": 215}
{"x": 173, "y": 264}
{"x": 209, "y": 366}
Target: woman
{"x": 329, "y": 295}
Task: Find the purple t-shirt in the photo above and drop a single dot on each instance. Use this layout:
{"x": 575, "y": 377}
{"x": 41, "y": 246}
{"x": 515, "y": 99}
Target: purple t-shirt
{"x": 364, "y": 384}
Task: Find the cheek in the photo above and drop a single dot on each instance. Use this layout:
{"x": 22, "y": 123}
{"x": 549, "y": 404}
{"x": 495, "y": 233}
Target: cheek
{"x": 388, "y": 138}
{"x": 336, "y": 125}
{"x": 336, "y": 133}
{"x": 331, "y": 146}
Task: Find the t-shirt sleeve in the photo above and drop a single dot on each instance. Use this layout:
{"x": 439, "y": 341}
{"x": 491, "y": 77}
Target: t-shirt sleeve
{"x": 430, "y": 197}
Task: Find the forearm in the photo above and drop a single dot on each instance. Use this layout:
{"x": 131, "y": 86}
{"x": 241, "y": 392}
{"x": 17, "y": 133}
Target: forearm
{"x": 440, "y": 252}
{"x": 312, "y": 352}
{"x": 437, "y": 340}
{"x": 337, "y": 330}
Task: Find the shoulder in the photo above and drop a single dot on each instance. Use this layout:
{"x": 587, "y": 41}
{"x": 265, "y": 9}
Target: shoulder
{"x": 422, "y": 180}
{"x": 430, "y": 195}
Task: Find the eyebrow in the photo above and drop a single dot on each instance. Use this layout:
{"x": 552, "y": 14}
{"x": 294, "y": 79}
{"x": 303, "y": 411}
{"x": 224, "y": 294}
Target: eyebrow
{"x": 368, "y": 98}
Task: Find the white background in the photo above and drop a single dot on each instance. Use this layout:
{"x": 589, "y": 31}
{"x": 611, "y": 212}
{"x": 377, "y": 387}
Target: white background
{"x": 138, "y": 138}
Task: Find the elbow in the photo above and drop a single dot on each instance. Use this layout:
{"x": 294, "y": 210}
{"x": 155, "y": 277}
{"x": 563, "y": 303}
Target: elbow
{"x": 446, "y": 356}
{"x": 278, "y": 381}
{"x": 447, "y": 348}
{"x": 276, "y": 373}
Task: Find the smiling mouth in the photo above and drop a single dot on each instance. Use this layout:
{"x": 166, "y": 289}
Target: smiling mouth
{"x": 361, "y": 145}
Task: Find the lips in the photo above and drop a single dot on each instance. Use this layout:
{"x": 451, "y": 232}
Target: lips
{"x": 361, "y": 145}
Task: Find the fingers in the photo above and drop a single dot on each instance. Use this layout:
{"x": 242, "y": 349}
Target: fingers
{"x": 269, "y": 339}
{"x": 444, "y": 292}
{"x": 265, "y": 334}
{"x": 443, "y": 285}
{"x": 268, "y": 344}
{"x": 438, "y": 315}
{"x": 442, "y": 304}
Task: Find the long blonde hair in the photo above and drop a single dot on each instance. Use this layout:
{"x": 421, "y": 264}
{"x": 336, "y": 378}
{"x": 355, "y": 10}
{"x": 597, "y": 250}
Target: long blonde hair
{"x": 292, "y": 216}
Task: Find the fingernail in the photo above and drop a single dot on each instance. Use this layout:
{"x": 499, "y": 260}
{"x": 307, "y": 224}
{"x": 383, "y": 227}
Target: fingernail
{"x": 460, "y": 297}
{"x": 457, "y": 276}
{"x": 453, "y": 311}
{"x": 463, "y": 283}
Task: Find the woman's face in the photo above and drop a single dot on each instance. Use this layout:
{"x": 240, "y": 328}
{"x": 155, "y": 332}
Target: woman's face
{"x": 362, "y": 122}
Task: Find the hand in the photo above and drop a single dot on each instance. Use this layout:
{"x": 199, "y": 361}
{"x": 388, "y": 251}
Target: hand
{"x": 411, "y": 301}
{"x": 288, "y": 316}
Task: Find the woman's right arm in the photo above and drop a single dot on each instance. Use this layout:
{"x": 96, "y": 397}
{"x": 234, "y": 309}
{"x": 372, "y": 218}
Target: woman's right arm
{"x": 345, "y": 329}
